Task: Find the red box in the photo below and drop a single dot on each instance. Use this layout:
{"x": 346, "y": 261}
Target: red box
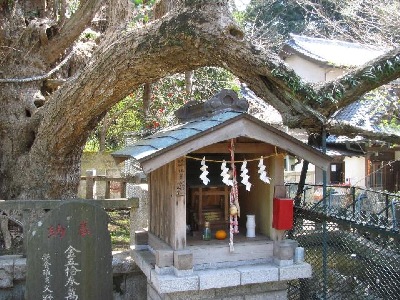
{"x": 282, "y": 218}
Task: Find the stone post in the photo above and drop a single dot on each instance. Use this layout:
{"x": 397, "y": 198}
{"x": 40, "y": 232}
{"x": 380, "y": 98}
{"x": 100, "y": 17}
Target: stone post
{"x": 90, "y": 184}
{"x": 139, "y": 217}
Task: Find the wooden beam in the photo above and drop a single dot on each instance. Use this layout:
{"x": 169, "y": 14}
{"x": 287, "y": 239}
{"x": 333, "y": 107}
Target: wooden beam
{"x": 257, "y": 148}
{"x": 51, "y": 204}
{"x": 178, "y": 205}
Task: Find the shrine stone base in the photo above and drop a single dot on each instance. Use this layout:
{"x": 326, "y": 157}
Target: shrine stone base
{"x": 270, "y": 290}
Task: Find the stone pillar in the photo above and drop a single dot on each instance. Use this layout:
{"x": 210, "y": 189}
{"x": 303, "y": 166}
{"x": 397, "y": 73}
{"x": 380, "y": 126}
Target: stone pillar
{"x": 90, "y": 184}
{"x": 139, "y": 217}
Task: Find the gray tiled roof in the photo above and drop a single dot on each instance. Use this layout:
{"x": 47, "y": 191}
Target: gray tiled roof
{"x": 333, "y": 52}
{"x": 172, "y": 136}
{"x": 367, "y": 113}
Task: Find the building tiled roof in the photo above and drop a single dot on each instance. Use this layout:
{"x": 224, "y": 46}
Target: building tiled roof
{"x": 367, "y": 113}
{"x": 261, "y": 109}
{"x": 332, "y": 52}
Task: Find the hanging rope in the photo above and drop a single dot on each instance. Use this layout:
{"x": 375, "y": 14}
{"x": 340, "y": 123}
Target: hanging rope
{"x": 237, "y": 161}
{"x": 234, "y": 200}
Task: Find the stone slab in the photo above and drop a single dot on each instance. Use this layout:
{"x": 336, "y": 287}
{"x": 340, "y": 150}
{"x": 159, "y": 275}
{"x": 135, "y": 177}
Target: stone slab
{"x": 283, "y": 262}
{"x": 182, "y": 273}
{"x": 258, "y": 274}
{"x": 171, "y": 283}
{"x": 19, "y": 268}
{"x": 183, "y": 259}
{"x": 302, "y": 270}
{"x": 6, "y": 273}
{"x": 210, "y": 279}
{"x": 141, "y": 238}
{"x": 164, "y": 258}
{"x": 123, "y": 263}
{"x": 273, "y": 295}
{"x": 145, "y": 260}
{"x": 284, "y": 250}
{"x": 220, "y": 253}
{"x": 164, "y": 270}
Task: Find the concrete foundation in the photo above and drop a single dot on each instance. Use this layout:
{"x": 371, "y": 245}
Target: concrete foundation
{"x": 265, "y": 291}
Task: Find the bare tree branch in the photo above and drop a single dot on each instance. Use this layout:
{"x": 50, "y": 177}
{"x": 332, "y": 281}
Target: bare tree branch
{"x": 71, "y": 30}
{"x": 350, "y": 87}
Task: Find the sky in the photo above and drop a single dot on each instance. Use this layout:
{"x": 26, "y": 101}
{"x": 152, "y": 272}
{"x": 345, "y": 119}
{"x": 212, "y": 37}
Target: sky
{"x": 241, "y": 4}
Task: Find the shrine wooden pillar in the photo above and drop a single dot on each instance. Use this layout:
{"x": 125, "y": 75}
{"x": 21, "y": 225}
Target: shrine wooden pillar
{"x": 168, "y": 203}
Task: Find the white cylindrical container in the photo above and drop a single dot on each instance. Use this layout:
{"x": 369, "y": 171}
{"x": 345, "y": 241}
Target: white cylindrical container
{"x": 298, "y": 255}
{"x": 251, "y": 226}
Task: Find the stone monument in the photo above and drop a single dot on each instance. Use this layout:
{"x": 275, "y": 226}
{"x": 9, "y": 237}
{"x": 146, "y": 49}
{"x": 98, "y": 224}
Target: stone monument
{"x": 69, "y": 254}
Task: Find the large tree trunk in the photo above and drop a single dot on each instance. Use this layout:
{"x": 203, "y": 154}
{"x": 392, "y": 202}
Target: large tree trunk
{"x": 49, "y": 104}
{"x": 31, "y": 51}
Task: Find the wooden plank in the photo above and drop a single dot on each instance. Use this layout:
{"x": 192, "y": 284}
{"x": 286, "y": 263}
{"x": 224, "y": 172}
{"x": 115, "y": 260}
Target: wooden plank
{"x": 209, "y": 191}
{"x": 123, "y": 189}
{"x": 151, "y": 203}
{"x": 227, "y": 204}
{"x": 239, "y": 148}
{"x": 157, "y": 244}
{"x": 178, "y": 205}
{"x": 90, "y": 184}
{"x": 200, "y": 212}
{"x": 118, "y": 203}
{"x": 52, "y": 204}
{"x": 209, "y": 254}
{"x": 107, "y": 193}
{"x": 165, "y": 181}
{"x": 168, "y": 203}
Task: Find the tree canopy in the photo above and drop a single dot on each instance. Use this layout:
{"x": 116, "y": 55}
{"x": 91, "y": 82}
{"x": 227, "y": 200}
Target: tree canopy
{"x": 49, "y": 110}
{"x": 372, "y": 22}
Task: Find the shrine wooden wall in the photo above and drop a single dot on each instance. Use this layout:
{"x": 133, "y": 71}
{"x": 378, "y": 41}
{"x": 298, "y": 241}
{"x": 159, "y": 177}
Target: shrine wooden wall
{"x": 167, "y": 190}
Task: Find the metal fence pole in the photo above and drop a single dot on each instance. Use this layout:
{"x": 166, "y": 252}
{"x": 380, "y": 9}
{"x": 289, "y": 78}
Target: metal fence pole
{"x": 324, "y": 228}
{"x": 387, "y": 208}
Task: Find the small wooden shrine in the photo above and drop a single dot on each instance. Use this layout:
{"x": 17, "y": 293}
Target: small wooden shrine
{"x": 218, "y": 165}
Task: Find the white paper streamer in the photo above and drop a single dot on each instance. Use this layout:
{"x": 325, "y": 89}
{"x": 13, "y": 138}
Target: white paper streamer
{"x": 245, "y": 177}
{"x": 262, "y": 171}
{"x": 225, "y": 174}
{"x": 204, "y": 174}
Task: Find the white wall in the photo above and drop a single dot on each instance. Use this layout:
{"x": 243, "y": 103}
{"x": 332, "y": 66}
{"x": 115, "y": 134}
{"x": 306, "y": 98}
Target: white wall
{"x": 355, "y": 170}
{"x": 333, "y": 73}
{"x": 354, "y": 166}
{"x": 310, "y": 71}
{"x": 307, "y": 70}
{"x": 397, "y": 155}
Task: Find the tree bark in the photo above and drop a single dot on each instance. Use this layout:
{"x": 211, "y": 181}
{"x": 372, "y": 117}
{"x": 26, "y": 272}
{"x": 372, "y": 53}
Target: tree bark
{"x": 188, "y": 83}
{"x": 147, "y": 91}
{"x": 103, "y": 134}
{"x": 4, "y": 231}
{"x": 301, "y": 184}
{"x": 42, "y": 136}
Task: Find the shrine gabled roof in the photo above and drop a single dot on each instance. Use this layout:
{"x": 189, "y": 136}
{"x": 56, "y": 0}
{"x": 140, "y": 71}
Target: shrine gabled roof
{"x": 172, "y": 136}
{"x": 173, "y": 142}
{"x": 330, "y": 52}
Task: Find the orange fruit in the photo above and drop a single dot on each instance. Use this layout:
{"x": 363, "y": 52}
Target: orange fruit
{"x": 220, "y": 234}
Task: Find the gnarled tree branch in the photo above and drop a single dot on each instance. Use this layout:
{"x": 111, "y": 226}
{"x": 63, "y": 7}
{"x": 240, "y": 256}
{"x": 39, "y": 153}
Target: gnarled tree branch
{"x": 176, "y": 43}
{"x": 71, "y": 30}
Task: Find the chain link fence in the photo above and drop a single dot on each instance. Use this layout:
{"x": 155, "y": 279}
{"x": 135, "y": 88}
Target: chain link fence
{"x": 352, "y": 242}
